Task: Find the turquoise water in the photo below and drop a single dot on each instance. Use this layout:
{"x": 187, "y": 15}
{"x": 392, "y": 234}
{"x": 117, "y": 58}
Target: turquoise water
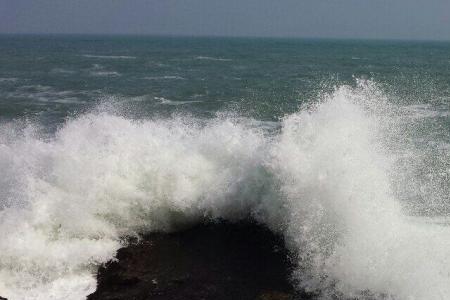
{"x": 50, "y": 77}
{"x": 342, "y": 146}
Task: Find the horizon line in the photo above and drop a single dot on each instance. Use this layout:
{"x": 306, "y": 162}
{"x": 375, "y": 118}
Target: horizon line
{"x": 223, "y": 36}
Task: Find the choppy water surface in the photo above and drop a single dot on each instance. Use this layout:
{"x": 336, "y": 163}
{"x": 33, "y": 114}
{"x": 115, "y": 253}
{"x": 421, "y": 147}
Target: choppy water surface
{"x": 342, "y": 146}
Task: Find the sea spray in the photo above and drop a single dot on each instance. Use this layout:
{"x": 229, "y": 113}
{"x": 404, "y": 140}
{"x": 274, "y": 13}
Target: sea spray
{"x": 351, "y": 234}
{"x": 70, "y": 199}
{"x": 324, "y": 180}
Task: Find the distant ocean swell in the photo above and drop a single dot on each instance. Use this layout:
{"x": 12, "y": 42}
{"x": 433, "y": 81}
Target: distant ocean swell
{"x": 324, "y": 180}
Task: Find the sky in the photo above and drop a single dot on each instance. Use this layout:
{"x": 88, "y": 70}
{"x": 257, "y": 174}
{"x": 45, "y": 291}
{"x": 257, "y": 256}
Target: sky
{"x": 379, "y": 19}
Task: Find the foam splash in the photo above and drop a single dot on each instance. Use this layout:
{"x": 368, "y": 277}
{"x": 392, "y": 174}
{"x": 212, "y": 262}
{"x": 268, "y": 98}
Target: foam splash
{"x": 323, "y": 179}
{"x": 352, "y": 234}
{"x": 69, "y": 200}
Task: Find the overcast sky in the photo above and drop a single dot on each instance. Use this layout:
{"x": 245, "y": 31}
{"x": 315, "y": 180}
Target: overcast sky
{"x": 404, "y": 19}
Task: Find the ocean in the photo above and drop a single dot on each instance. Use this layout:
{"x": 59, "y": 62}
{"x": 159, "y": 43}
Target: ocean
{"x": 341, "y": 146}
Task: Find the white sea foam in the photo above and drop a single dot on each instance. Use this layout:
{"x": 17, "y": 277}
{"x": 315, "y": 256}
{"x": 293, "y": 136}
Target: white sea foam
{"x": 104, "y": 73}
{"x": 45, "y": 93}
{"x": 70, "y": 199}
{"x": 99, "y": 70}
{"x": 8, "y": 79}
{"x": 166, "y": 101}
{"x": 322, "y": 177}
{"x": 212, "y": 58}
{"x": 62, "y": 71}
{"x": 343, "y": 214}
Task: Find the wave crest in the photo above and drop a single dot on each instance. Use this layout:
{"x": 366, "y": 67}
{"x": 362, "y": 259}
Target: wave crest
{"x": 324, "y": 181}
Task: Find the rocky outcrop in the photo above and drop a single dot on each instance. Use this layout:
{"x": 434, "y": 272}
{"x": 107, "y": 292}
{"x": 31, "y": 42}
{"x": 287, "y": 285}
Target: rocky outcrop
{"x": 210, "y": 261}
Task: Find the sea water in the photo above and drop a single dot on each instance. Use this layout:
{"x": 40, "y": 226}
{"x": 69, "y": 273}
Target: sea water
{"x": 343, "y": 147}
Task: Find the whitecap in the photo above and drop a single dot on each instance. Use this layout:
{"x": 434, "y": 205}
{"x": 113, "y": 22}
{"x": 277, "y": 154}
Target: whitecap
{"x": 212, "y": 58}
{"x": 45, "y": 93}
{"x": 104, "y": 73}
{"x": 166, "y": 101}
{"x": 8, "y": 79}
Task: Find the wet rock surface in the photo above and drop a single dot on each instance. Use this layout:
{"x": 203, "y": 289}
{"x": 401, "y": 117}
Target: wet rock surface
{"x": 209, "y": 261}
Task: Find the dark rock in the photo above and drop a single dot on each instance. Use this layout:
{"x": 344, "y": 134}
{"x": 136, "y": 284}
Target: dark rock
{"x": 210, "y": 261}
{"x": 276, "y": 296}
{"x": 1, "y": 298}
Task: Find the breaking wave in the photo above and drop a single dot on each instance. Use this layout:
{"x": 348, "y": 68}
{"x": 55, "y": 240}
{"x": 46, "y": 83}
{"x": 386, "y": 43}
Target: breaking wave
{"x": 325, "y": 178}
